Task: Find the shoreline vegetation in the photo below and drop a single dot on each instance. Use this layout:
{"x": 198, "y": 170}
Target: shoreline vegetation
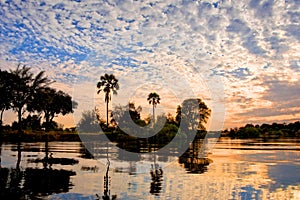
{"x": 249, "y": 131}
{"x": 26, "y": 93}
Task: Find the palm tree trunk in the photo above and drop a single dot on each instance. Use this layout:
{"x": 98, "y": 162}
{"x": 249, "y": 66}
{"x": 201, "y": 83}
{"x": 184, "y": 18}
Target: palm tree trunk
{"x": 106, "y": 114}
{"x": 153, "y": 115}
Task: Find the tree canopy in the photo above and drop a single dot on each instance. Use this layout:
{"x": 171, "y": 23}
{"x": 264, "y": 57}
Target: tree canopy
{"x": 194, "y": 113}
{"x": 23, "y": 87}
{"x": 51, "y": 103}
{"x": 6, "y": 80}
{"x": 22, "y": 91}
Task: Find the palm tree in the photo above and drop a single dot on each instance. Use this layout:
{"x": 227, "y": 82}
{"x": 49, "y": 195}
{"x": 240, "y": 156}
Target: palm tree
{"x": 108, "y": 83}
{"x": 24, "y": 86}
{"x": 153, "y": 99}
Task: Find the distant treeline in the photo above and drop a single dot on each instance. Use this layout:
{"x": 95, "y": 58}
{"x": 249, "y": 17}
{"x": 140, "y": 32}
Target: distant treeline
{"x": 275, "y": 130}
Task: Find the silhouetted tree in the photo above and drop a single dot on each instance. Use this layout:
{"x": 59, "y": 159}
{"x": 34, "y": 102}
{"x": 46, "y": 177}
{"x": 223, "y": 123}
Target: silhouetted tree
{"x": 89, "y": 122}
{"x": 154, "y": 99}
{"x": 120, "y": 114}
{"x": 265, "y": 130}
{"x": 6, "y": 92}
{"x": 178, "y": 115}
{"x": 32, "y": 121}
{"x": 108, "y": 83}
{"x": 195, "y": 112}
{"x": 24, "y": 86}
{"x": 135, "y": 113}
{"x": 51, "y": 103}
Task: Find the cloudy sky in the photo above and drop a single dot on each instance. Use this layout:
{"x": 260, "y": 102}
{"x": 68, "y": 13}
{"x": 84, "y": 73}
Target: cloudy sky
{"x": 241, "y": 57}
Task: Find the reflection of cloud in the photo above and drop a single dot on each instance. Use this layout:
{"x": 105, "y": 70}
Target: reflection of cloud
{"x": 284, "y": 175}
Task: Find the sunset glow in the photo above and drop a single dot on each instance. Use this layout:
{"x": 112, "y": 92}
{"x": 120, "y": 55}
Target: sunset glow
{"x": 241, "y": 57}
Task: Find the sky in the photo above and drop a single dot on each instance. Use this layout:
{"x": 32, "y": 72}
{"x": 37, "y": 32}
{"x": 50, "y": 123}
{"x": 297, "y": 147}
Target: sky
{"x": 241, "y": 58}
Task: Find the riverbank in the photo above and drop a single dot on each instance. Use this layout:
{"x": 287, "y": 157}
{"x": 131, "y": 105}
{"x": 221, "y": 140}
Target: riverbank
{"x": 119, "y": 137}
{"x": 38, "y": 136}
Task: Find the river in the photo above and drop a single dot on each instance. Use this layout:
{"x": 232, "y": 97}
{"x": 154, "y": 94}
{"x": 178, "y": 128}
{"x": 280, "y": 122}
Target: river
{"x": 235, "y": 169}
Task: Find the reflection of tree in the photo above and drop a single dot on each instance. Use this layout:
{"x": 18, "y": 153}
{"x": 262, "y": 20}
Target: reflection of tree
{"x": 11, "y": 178}
{"x": 16, "y": 183}
{"x": 106, "y": 192}
{"x": 156, "y": 177}
{"x": 0, "y": 150}
{"x": 35, "y": 182}
{"x": 84, "y": 153}
{"x": 192, "y": 162}
{"x": 47, "y": 181}
{"x": 19, "y": 155}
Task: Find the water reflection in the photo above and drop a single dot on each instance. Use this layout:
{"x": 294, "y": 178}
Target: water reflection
{"x": 46, "y": 181}
{"x": 49, "y": 160}
{"x": 240, "y": 170}
{"x": 107, "y": 182}
{"x": 31, "y": 183}
{"x": 191, "y": 160}
{"x": 156, "y": 179}
{"x": 0, "y": 151}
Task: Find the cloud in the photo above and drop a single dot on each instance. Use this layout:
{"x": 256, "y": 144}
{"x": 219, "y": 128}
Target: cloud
{"x": 281, "y": 91}
{"x": 283, "y": 95}
{"x": 213, "y": 45}
{"x": 263, "y": 8}
{"x": 293, "y": 30}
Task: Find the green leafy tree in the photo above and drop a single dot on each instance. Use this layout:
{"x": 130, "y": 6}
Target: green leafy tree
{"x": 108, "y": 84}
{"x": 23, "y": 87}
{"x": 154, "y": 99}
{"x": 51, "y": 103}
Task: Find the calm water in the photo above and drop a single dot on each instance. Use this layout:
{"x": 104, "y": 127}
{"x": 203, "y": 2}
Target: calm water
{"x": 240, "y": 169}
